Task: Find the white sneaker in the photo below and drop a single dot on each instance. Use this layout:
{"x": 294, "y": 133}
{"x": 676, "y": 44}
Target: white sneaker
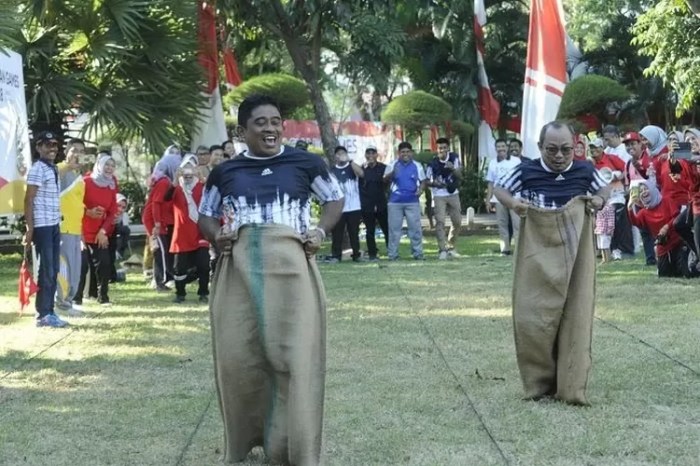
{"x": 453, "y": 253}
{"x": 442, "y": 256}
{"x": 75, "y": 312}
{"x": 617, "y": 255}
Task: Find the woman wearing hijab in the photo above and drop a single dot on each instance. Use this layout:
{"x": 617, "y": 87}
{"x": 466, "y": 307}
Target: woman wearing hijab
{"x": 648, "y": 209}
{"x": 580, "y": 148}
{"x": 158, "y": 215}
{"x": 688, "y": 222}
{"x": 100, "y": 202}
{"x": 229, "y": 149}
{"x": 188, "y": 246}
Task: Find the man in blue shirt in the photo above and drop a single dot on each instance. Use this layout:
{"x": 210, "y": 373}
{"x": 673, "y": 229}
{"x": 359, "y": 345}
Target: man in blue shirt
{"x": 408, "y": 181}
{"x": 554, "y": 275}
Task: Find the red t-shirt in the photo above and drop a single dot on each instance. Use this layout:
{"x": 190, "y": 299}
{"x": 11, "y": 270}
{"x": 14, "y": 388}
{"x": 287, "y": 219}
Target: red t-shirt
{"x": 162, "y": 204}
{"x": 103, "y": 197}
{"x": 613, "y": 162}
{"x": 676, "y": 187}
{"x": 654, "y": 219}
{"x": 186, "y": 235}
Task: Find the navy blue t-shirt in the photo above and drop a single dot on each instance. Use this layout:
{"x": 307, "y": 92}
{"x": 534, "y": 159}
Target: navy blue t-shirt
{"x": 543, "y": 188}
{"x": 258, "y": 190}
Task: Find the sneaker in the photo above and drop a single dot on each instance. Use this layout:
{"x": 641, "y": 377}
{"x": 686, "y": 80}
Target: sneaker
{"x": 442, "y": 256}
{"x": 73, "y": 312}
{"x": 77, "y": 306}
{"x": 505, "y": 253}
{"x": 374, "y": 259}
{"x": 359, "y": 259}
{"x": 204, "y": 299}
{"x": 617, "y": 255}
{"x": 179, "y": 299}
{"x": 332, "y": 260}
{"x": 454, "y": 254}
{"x": 162, "y": 288}
{"x": 394, "y": 258}
{"x": 419, "y": 257}
{"x": 51, "y": 320}
{"x": 106, "y": 303}
{"x": 170, "y": 284}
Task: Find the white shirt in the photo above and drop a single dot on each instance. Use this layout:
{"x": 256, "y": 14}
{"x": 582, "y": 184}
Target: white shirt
{"x": 498, "y": 169}
{"x": 619, "y": 151}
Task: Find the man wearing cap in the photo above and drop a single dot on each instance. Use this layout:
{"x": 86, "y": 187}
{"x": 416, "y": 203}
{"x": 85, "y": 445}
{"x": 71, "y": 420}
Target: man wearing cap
{"x": 373, "y": 200}
{"x": 635, "y": 173}
{"x": 348, "y": 174}
{"x": 622, "y": 241}
{"x": 443, "y": 179}
{"x": 42, "y": 213}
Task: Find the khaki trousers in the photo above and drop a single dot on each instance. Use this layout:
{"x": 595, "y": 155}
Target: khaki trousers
{"x": 444, "y": 206}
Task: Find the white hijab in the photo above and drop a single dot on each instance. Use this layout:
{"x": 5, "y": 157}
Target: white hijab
{"x": 190, "y": 161}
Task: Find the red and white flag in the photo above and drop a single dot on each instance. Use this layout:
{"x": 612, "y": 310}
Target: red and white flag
{"x": 212, "y": 127}
{"x": 489, "y": 107}
{"x": 545, "y": 73}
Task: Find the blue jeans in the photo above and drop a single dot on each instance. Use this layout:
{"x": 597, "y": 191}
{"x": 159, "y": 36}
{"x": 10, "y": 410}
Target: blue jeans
{"x": 415, "y": 231}
{"x": 47, "y": 241}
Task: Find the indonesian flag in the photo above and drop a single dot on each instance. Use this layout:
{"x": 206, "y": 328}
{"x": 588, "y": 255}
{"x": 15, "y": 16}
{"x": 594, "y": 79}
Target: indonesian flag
{"x": 545, "y": 73}
{"x": 212, "y": 127}
{"x": 489, "y": 108}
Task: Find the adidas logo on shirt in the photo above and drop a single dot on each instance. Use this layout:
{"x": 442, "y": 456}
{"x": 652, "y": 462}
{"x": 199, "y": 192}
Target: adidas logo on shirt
{"x": 559, "y": 178}
{"x": 266, "y": 172}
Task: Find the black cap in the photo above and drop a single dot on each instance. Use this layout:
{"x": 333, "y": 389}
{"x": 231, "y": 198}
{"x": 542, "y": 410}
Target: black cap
{"x": 45, "y": 136}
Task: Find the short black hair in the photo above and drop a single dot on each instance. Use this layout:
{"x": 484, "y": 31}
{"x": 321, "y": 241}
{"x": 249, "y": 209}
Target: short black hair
{"x": 611, "y": 129}
{"x": 250, "y": 103}
{"x": 73, "y": 141}
{"x": 215, "y": 147}
{"x": 556, "y": 124}
{"x": 517, "y": 141}
{"x": 405, "y": 145}
{"x": 339, "y": 148}
{"x": 443, "y": 140}
{"x": 500, "y": 140}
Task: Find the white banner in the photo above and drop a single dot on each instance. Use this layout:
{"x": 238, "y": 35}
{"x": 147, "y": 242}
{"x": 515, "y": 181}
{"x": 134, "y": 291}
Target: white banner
{"x": 15, "y": 151}
{"x": 212, "y": 129}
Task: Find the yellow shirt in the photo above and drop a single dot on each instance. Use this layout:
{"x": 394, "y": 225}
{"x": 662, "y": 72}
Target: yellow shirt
{"x": 72, "y": 193}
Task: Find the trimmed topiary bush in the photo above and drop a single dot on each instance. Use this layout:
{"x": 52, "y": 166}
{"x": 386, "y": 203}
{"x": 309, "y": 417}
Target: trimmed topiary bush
{"x": 416, "y": 110}
{"x": 590, "y": 94}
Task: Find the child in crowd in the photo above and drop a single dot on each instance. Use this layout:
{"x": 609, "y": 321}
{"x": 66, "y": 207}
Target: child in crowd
{"x": 604, "y": 229}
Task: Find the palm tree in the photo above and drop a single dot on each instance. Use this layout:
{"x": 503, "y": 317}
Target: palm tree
{"x": 130, "y": 65}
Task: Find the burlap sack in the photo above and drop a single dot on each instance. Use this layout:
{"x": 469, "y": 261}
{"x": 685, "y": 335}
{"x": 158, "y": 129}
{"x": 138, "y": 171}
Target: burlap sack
{"x": 268, "y": 320}
{"x": 553, "y": 301}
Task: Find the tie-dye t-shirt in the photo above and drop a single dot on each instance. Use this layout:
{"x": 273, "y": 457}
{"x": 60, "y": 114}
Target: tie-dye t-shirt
{"x": 261, "y": 190}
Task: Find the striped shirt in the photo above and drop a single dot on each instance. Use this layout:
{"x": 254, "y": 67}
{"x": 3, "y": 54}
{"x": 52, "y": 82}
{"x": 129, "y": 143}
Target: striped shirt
{"x": 547, "y": 189}
{"x": 46, "y": 206}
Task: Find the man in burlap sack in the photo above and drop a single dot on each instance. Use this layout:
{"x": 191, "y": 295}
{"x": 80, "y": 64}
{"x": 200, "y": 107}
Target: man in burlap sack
{"x": 267, "y": 307}
{"x": 554, "y": 276}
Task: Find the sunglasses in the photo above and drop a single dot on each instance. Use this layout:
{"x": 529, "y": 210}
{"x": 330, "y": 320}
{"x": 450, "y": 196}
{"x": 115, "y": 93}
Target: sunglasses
{"x": 554, "y": 150}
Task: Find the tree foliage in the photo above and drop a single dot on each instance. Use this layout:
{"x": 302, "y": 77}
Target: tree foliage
{"x": 130, "y": 65}
{"x": 670, "y": 33}
{"x": 289, "y": 92}
{"x": 590, "y": 94}
{"x": 416, "y": 110}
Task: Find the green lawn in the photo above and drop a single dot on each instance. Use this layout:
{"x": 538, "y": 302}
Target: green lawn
{"x": 421, "y": 371}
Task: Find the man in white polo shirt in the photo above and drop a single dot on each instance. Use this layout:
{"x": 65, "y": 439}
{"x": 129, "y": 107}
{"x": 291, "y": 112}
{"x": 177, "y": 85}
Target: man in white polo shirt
{"x": 43, "y": 216}
{"x": 507, "y": 219}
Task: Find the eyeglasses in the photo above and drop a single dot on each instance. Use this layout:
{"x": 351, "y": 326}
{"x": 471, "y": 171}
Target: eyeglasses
{"x": 554, "y": 150}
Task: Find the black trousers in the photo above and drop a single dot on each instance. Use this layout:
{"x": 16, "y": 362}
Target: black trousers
{"x": 351, "y": 221}
{"x": 688, "y": 227}
{"x": 371, "y": 218}
{"x": 163, "y": 259}
{"x": 622, "y": 236}
{"x": 98, "y": 260}
{"x": 675, "y": 263}
{"x": 648, "y": 243}
{"x": 191, "y": 266}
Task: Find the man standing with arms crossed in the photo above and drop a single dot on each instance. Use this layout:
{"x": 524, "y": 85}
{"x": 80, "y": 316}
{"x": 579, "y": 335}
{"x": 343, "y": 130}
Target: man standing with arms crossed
{"x": 443, "y": 178}
{"x": 373, "y": 201}
{"x": 43, "y": 215}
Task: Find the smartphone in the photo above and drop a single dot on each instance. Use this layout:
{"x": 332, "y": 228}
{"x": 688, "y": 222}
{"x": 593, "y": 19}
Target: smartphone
{"x": 682, "y": 151}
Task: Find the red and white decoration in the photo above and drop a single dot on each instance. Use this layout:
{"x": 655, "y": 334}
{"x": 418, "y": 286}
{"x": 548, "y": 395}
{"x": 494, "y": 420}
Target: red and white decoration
{"x": 489, "y": 107}
{"x": 545, "y": 73}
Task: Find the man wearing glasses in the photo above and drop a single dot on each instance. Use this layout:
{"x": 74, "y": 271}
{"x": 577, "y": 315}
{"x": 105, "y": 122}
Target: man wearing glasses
{"x": 554, "y": 276}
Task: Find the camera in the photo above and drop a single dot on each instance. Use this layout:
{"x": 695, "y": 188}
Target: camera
{"x": 661, "y": 240}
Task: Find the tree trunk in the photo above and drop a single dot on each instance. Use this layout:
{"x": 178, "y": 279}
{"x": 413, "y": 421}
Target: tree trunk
{"x": 303, "y": 62}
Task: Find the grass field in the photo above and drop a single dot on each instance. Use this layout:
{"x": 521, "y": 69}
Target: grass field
{"x": 421, "y": 371}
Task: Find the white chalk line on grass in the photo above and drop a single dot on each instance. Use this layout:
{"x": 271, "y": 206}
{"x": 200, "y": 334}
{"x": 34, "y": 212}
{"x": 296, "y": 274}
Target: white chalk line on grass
{"x": 649, "y": 345}
{"x": 190, "y": 439}
{"x": 453, "y": 374}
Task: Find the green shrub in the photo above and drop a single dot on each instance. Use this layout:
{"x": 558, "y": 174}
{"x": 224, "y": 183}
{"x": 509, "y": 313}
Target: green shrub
{"x": 136, "y": 195}
{"x": 590, "y": 94}
{"x": 290, "y": 93}
{"x": 472, "y": 190}
{"x": 416, "y": 110}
